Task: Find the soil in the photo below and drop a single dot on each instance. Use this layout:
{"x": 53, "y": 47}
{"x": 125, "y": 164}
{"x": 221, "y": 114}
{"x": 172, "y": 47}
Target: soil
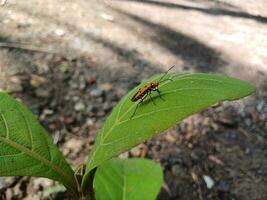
{"x": 72, "y": 61}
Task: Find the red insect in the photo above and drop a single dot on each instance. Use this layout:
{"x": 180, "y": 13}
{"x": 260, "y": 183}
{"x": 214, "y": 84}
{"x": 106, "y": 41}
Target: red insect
{"x": 145, "y": 91}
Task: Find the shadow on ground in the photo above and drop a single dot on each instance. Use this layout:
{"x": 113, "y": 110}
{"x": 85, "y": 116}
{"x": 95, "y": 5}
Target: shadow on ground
{"x": 194, "y": 53}
{"x": 210, "y": 11}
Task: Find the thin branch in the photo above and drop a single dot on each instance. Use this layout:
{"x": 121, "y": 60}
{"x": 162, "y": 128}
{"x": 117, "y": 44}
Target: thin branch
{"x": 25, "y": 47}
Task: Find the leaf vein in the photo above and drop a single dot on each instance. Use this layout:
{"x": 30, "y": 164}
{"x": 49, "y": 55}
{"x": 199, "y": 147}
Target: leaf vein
{"x": 6, "y": 127}
{"x": 9, "y": 155}
{"x": 35, "y": 156}
{"x": 26, "y": 122}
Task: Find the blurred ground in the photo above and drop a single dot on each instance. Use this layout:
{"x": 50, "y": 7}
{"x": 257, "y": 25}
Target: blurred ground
{"x": 72, "y": 61}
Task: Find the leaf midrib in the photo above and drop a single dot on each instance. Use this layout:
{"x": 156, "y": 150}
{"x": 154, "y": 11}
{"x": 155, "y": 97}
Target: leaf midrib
{"x": 36, "y": 156}
{"x": 30, "y": 152}
{"x": 124, "y": 192}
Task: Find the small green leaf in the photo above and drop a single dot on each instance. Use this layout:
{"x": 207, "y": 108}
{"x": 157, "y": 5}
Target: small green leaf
{"x": 128, "y": 179}
{"x": 25, "y": 147}
{"x": 186, "y": 94}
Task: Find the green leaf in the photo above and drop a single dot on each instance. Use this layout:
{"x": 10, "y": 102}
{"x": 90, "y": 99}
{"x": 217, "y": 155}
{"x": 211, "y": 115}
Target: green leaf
{"x": 188, "y": 93}
{"x": 128, "y": 179}
{"x": 25, "y": 147}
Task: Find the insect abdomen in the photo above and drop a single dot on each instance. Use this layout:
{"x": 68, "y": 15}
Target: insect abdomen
{"x": 138, "y": 96}
{"x": 134, "y": 99}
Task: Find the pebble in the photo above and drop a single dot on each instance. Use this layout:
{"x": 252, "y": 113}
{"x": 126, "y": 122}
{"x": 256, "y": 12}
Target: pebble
{"x": 42, "y": 92}
{"x": 190, "y": 145}
{"x": 248, "y": 122}
{"x": 48, "y": 112}
{"x": 59, "y": 32}
{"x": 243, "y": 113}
{"x": 2, "y": 182}
{"x": 73, "y": 146}
{"x": 223, "y": 186}
{"x": 215, "y": 160}
{"x": 101, "y": 113}
{"x": 90, "y": 108}
{"x": 82, "y": 85}
{"x": 35, "y": 108}
{"x": 227, "y": 121}
{"x": 41, "y": 183}
{"x": 79, "y": 106}
{"x": 247, "y": 151}
{"x": 139, "y": 151}
{"x": 136, "y": 151}
{"x": 16, "y": 191}
{"x": 107, "y": 17}
{"x": 107, "y": 106}
{"x": 56, "y": 137}
{"x": 9, "y": 194}
{"x": 74, "y": 85}
{"x": 75, "y": 98}
{"x": 96, "y": 92}
{"x": 260, "y": 106}
{"x": 177, "y": 170}
{"x": 124, "y": 155}
{"x": 37, "y": 81}
{"x": 89, "y": 122}
{"x": 209, "y": 181}
{"x": 63, "y": 67}
{"x": 170, "y": 137}
{"x": 49, "y": 192}
{"x": 14, "y": 85}
{"x": 105, "y": 86}
{"x": 45, "y": 113}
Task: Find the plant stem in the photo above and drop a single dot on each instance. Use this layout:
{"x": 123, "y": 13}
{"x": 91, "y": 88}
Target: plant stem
{"x": 91, "y": 192}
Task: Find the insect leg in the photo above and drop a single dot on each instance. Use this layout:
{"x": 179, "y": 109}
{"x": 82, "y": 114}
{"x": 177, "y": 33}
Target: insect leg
{"x": 138, "y": 105}
{"x": 149, "y": 93}
{"x": 159, "y": 94}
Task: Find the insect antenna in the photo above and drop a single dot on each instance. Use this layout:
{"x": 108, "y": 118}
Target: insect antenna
{"x": 165, "y": 74}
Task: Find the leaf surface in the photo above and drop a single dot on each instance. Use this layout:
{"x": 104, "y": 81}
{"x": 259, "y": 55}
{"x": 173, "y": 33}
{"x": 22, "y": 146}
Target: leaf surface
{"x": 128, "y": 179}
{"x": 25, "y": 147}
{"x": 186, "y": 94}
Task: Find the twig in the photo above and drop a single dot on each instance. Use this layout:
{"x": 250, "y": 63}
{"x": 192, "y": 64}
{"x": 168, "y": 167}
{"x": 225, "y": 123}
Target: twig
{"x": 166, "y": 188}
{"x": 25, "y": 47}
{"x": 258, "y": 137}
{"x": 196, "y": 180}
